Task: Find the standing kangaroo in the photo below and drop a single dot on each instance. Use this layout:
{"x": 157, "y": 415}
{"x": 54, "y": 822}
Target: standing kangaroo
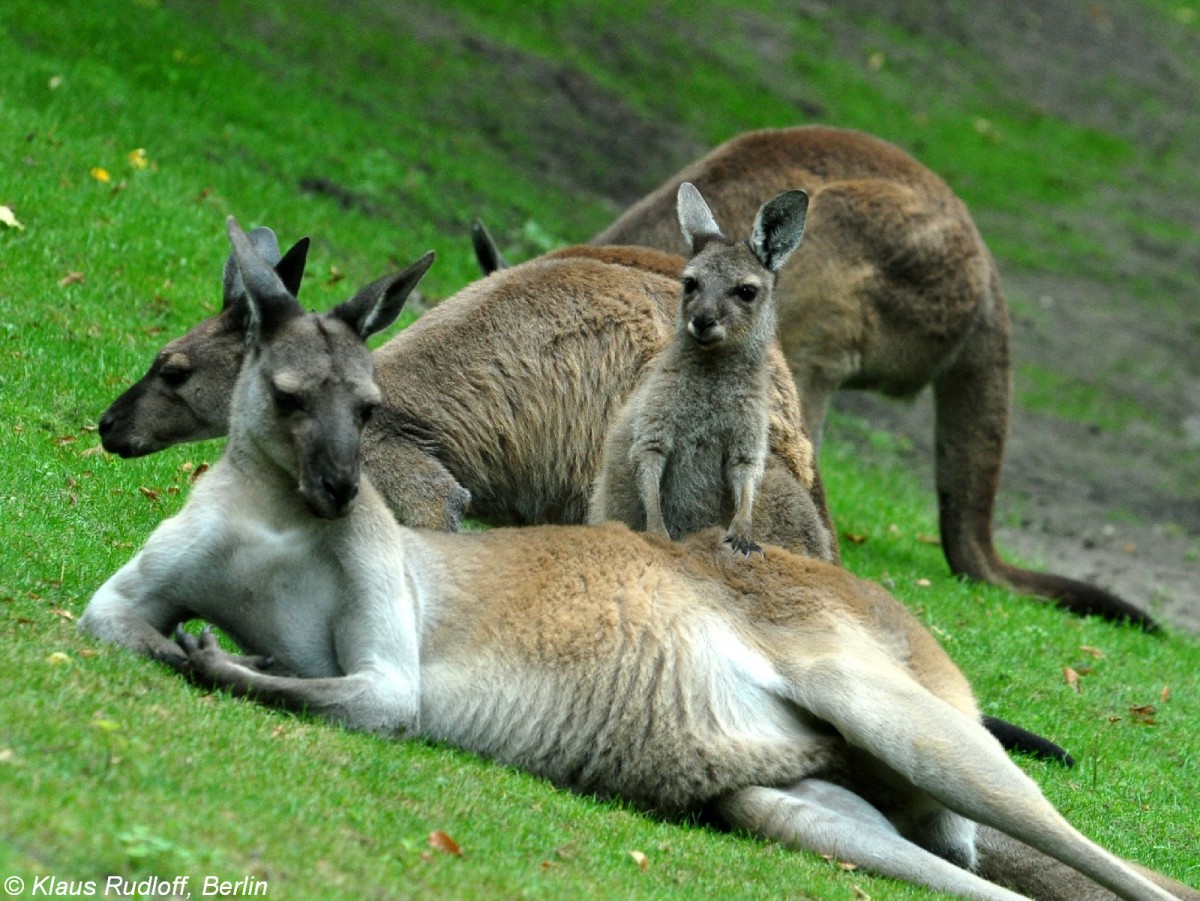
{"x": 783, "y": 694}
{"x": 893, "y": 290}
{"x": 689, "y": 448}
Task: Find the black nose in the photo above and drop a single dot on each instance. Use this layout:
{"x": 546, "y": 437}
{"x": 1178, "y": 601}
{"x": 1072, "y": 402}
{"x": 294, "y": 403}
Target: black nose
{"x": 701, "y": 324}
{"x": 107, "y": 421}
{"x": 341, "y": 490}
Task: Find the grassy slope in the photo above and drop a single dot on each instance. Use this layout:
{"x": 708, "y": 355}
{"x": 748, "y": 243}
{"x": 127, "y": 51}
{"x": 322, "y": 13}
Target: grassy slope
{"x": 111, "y": 765}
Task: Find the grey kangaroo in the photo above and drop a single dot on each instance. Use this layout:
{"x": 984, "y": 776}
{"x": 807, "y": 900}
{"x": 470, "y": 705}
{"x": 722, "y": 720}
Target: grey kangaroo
{"x": 783, "y": 694}
{"x": 689, "y": 448}
{"x": 892, "y": 290}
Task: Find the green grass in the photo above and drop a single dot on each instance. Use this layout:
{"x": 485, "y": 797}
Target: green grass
{"x": 111, "y": 765}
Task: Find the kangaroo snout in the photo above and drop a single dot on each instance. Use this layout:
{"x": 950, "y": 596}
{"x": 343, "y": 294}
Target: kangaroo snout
{"x": 334, "y": 494}
{"x": 705, "y": 329}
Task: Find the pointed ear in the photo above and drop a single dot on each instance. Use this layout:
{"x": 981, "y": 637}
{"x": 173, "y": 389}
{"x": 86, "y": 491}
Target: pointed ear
{"x": 266, "y": 245}
{"x": 268, "y": 300}
{"x": 695, "y": 218}
{"x": 487, "y": 254}
{"x": 778, "y": 228}
{"x": 291, "y": 268}
{"x": 377, "y": 305}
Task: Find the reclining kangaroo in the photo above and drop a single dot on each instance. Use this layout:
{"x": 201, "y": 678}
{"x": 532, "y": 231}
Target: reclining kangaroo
{"x": 688, "y": 449}
{"x": 892, "y": 290}
{"x": 506, "y": 388}
{"x": 785, "y": 695}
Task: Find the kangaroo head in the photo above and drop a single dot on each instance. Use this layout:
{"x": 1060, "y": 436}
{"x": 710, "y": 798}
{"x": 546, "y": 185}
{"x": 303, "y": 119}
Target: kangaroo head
{"x": 728, "y": 286}
{"x": 185, "y": 394}
{"x": 307, "y": 386}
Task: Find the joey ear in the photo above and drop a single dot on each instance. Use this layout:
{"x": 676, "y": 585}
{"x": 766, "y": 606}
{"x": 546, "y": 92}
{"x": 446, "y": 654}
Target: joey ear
{"x": 376, "y": 306}
{"x": 487, "y": 254}
{"x": 266, "y": 245}
{"x": 268, "y": 300}
{"x": 778, "y": 228}
{"x": 695, "y": 218}
{"x": 290, "y": 269}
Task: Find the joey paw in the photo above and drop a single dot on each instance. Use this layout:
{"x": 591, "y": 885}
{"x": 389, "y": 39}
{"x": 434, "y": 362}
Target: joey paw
{"x": 743, "y": 546}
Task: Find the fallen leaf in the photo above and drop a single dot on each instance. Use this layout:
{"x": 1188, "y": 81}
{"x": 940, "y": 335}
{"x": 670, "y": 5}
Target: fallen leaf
{"x": 335, "y": 275}
{"x": 640, "y": 859}
{"x": 847, "y": 866}
{"x": 859, "y": 894}
{"x": 137, "y": 158}
{"x": 923, "y": 583}
{"x": 440, "y": 841}
{"x": 55, "y": 82}
{"x": 9, "y": 218}
{"x": 62, "y": 614}
{"x": 198, "y": 471}
{"x": 1144, "y": 714}
{"x": 89, "y": 653}
{"x": 7, "y": 755}
{"x": 1095, "y": 652}
{"x": 1166, "y": 693}
{"x": 64, "y": 439}
{"x": 71, "y": 278}
{"x": 149, "y": 493}
{"x": 1072, "y": 678}
{"x": 929, "y": 539}
{"x": 855, "y": 537}
{"x": 96, "y": 451}
{"x": 101, "y": 175}
{"x": 58, "y": 658}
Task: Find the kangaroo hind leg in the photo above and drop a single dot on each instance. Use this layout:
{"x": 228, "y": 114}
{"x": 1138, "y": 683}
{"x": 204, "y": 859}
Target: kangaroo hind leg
{"x": 948, "y": 755}
{"x": 818, "y": 816}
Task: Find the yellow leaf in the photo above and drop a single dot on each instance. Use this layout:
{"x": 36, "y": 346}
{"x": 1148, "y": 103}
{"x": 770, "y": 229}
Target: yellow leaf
{"x": 137, "y": 158}
{"x": 58, "y": 658}
{"x": 101, "y": 175}
{"x": 9, "y": 218}
{"x": 640, "y": 859}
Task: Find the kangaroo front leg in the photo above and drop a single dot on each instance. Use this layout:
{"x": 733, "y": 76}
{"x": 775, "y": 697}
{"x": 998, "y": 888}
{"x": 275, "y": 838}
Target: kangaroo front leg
{"x": 824, "y": 818}
{"x": 743, "y": 476}
{"x": 375, "y": 700}
{"x": 649, "y": 463}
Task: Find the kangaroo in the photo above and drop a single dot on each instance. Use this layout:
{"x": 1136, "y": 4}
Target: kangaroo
{"x": 783, "y": 694}
{"x": 690, "y": 445}
{"x": 894, "y": 289}
{"x": 499, "y": 398}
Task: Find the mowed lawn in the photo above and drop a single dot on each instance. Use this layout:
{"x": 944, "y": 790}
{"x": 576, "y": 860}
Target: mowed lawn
{"x": 134, "y": 128}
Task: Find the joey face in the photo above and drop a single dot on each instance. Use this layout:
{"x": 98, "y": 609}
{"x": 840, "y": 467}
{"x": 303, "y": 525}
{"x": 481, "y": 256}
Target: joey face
{"x": 315, "y": 389}
{"x": 185, "y": 394}
{"x": 726, "y": 297}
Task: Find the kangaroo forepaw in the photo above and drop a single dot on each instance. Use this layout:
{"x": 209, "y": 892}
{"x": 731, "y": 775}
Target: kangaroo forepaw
{"x": 743, "y": 546}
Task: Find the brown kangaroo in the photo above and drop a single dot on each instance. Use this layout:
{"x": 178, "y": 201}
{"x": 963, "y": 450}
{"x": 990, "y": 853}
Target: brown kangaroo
{"x": 782, "y": 694}
{"x": 893, "y": 289}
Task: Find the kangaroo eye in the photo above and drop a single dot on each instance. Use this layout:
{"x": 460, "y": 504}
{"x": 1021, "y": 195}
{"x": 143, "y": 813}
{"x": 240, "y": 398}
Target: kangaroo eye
{"x": 286, "y": 401}
{"x": 746, "y": 292}
{"x": 690, "y": 285}
{"x": 174, "y": 376}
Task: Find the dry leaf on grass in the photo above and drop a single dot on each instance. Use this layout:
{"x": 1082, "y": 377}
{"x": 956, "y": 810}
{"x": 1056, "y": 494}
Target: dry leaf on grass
{"x": 1072, "y": 678}
{"x": 440, "y": 841}
{"x": 640, "y": 859}
{"x": 9, "y": 218}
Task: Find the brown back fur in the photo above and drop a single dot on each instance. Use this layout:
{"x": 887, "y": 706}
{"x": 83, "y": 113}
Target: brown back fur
{"x": 891, "y": 290}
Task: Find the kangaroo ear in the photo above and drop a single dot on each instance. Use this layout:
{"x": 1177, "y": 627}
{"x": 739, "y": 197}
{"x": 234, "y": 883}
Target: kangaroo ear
{"x": 695, "y": 218}
{"x": 487, "y": 254}
{"x": 291, "y": 268}
{"x": 266, "y": 245}
{"x": 377, "y": 305}
{"x": 268, "y": 300}
{"x": 778, "y": 228}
